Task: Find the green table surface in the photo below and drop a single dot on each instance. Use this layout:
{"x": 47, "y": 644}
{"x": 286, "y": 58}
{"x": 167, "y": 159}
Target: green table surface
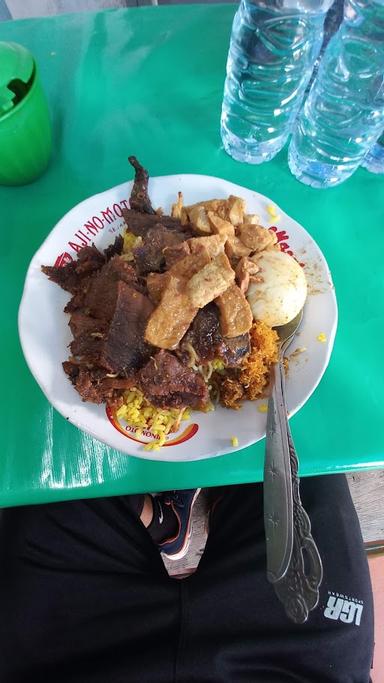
{"x": 149, "y": 82}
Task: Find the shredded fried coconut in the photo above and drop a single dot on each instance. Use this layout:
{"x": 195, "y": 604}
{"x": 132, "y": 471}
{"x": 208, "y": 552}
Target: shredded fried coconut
{"x": 251, "y": 380}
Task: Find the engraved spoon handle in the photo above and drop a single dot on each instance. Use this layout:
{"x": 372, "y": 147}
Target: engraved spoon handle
{"x": 298, "y": 590}
{"x": 287, "y": 525}
{"x": 278, "y": 496}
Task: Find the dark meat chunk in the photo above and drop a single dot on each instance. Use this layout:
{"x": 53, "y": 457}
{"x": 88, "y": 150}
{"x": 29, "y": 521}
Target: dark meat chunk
{"x": 119, "y": 269}
{"x": 97, "y": 292}
{"x": 205, "y": 335}
{"x": 88, "y": 349}
{"x": 139, "y": 199}
{"x": 71, "y": 276}
{"x": 86, "y": 381}
{"x": 101, "y": 349}
{"x": 80, "y": 324}
{"x": 77, "y": 301}
{"x": 167, "y": 383}
{"x": 150, "y": 257}
{"x": 207, "y": 341}
{"x": 173, "y": 254}
{"x": 100, "y": 298}
{"x": 71, "y": 368}
{"x": 235, "y": 349}
{"x": 116, "y": 248}
{"x": 93, "y": 385}
{"x": 88, "y": 334}
{"x": 140, "y": 223}
{"x": 89, "y": 259}
{"x": 124, "y": 350}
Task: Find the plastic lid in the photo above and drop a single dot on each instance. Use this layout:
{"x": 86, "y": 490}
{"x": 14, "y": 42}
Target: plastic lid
{"x": 16, "y": 71}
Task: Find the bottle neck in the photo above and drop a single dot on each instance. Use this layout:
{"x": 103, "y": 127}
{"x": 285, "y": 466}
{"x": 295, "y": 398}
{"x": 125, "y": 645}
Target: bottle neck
{"x": 292, "y": 6}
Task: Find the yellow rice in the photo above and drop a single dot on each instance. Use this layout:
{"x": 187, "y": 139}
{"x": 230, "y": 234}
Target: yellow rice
{"x": 130, "y": 241}
{"x": 139, "y": 412}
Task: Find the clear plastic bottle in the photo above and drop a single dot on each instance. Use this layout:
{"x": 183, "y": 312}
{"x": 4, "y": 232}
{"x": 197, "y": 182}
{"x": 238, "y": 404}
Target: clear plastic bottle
{"x": 344, "y": 112}
{"x": 274, "y": 45}
{"x": 374, "y": 161}
{"x": 332, "y": 22}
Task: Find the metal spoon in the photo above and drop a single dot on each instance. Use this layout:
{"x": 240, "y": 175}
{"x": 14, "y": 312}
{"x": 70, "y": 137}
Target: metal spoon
{"x": 287, "y": 526}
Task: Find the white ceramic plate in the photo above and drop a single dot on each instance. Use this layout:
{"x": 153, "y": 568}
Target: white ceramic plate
{"x": 45, "y": 335}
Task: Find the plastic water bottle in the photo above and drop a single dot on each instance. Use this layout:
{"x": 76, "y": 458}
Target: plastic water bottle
{"x": 332, "y": 22}
{"x": 374, "y": 161}
{"x": 344, "y": 113}
{"x": 274, "y": 45}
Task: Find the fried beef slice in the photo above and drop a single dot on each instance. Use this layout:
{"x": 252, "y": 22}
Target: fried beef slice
{"x": 114, "y": 347}
{"x": 71, "y": 277}
{"x": 115, "y": 342}
{"x": 208, "y": 342}
{"x": 150, "y": 256}
{"x": 139, "y": 199}
{"x": 140, "y": 223}
{"x": 93, "y": 385}
{"x": 100, "y": 297}
{"x": 167, "y": 383}
{"x": 124, "y": 350}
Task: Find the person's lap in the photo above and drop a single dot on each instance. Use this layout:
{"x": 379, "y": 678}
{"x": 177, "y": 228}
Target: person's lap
{"x": 84, "y": 596}
{"x": 259, "y": 642}
{"x": 85, "y": 593}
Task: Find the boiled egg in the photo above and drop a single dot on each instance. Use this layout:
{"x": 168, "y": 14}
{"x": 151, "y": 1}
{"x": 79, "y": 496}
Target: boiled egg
{"x": 280, "y": 289}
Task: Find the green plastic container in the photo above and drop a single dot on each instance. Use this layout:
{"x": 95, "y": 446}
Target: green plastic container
{"x": 25, "y": 126}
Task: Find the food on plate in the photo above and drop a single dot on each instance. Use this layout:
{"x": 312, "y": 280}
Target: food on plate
{"x": 172, "y": 316}
{"x": 168, "y": 383}
{"x": 177, "y": 313}
{"x": 138, "y": 412}
{"x": 280, "y": 289}
{"x": 245, "y": 269}
{"x": 139, "y": 199}
{"x": 211, "y": 281}
{"x": 220, "y": 225}
{"x": 255, "y": 237}
{"x": 235, "y": 312}
{"x": 252, "y": 378}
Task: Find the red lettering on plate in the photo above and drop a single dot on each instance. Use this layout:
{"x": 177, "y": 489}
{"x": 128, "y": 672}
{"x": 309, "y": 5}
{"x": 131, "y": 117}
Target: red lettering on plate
{"x": 281, "y": 235}
{"x": 63, "y": 259}
{"x": 97, "y": 222}
{"x": 130, "y": 428}
{"x": 284, "y": 246}
{"x": 75, "y": 247}
{"x": 80, "y": 232}
{"x": 82, "y": 239}
{"x": 117, "y": 210}
{"x": 93, "y": 225}
{"x": 90, "y": 227}
{"x": 108, "y": 215}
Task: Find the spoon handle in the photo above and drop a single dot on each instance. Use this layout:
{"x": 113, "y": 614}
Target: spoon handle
{"x": 278, "y": 496}
{"x": 296, "y": 581}
{"x": 298, "y": 590}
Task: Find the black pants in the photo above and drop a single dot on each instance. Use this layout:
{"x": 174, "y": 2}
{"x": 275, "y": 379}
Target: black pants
{"x": 84, "y": 597}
